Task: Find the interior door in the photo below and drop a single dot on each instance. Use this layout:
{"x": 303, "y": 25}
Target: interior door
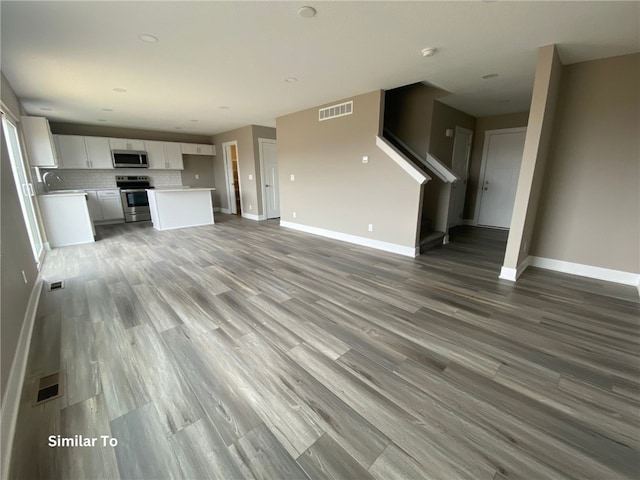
{"x": 502, "y": 159}
{"x": 460, "y": 166}
{"x": 269, "y": 153}
{"x": 231, "y": 176}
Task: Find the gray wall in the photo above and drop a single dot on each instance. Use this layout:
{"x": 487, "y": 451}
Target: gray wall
{"x": 117, "y": 132}
{"x": 534, "y": 158}
{"x": 483, "y": 124}
{"x": 202, "y": 166}
{"x": 333, "y": 189}
{"x": 248, "y": 163}
{"x": 15, "y": 255}
{"x": 590, "y": 206}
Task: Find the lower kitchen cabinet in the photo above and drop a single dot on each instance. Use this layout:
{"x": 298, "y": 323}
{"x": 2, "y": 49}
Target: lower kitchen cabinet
{"x": 105, "y": 206}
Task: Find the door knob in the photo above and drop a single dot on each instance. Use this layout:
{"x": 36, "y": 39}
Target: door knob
{"x": 485, "y": 188}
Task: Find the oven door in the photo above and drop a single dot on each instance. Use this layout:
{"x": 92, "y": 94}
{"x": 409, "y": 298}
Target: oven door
{"x": 135, "y": 204}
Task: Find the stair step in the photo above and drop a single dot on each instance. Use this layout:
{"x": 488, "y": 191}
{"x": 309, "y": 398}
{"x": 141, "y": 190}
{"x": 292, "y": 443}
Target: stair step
{"x": 431, "y": 240}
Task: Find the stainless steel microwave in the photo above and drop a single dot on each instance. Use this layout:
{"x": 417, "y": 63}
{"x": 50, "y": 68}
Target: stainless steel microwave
{"x": 129, "y": 159}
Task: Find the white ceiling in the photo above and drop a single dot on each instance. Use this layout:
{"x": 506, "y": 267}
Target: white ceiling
{"x": 69, "y": 56}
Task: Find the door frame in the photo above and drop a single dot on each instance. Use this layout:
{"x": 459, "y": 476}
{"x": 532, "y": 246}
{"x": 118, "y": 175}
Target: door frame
{"x": 261, "y": 142}
{"x": 466, "y": 170}
{"x": 228, "y": 174}
{"x": 483, "y": 168}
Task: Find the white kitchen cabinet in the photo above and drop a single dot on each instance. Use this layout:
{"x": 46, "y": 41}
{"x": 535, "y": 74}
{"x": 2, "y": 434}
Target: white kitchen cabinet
{"x": 98, "y": 152}
{"x": 197, "y": 149}
{"x": 95, "y": 210}
{"x": 111, "y": 204}
{"x": 173, "y": 153}
{"x": 126, "y": 144}
{"x": 164, "y": 155}
{"x": 72, "y": 151}
{"x": 155, "y": 154}
{"x": 41, "y": 149}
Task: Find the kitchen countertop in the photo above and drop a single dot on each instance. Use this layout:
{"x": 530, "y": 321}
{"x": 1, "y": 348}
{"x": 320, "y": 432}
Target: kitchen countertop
{"x": 59, "y": 193}
{"x": 179, "y": 189}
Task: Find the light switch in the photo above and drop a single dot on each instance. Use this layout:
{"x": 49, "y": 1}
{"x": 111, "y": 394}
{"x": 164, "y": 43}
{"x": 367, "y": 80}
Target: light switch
{"x": 294, "y": 214}
{"x": 293, "y": 177}
{"x": 365, "y": 159}
{"x": 197, "y": 176}
{"x": 250, "y": 177}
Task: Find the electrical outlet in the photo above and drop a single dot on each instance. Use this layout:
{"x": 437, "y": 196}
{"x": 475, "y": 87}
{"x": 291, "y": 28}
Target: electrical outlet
{"x": 197, "y": 177}
{"x": 250, "y": 207}
{"x": 365, "y": 159}
{"x": 24, "y": 277}
{"x": 371, "y": 227}
{"x": 250, "y": 177}
{"x": 294, "y": 214}
{"x": 293, "y": 177}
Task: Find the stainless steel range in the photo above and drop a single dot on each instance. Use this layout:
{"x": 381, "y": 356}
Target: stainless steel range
{"x": 133, "y": 190}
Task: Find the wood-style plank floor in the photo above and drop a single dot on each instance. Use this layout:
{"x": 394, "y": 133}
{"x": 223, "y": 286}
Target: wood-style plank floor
{"x": 243, "y": 350}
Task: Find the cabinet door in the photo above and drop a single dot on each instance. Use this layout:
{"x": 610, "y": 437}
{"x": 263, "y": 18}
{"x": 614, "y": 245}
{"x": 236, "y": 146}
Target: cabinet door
{"x": 72, "y": 151}
{"x": 95, "y": 210}
{"x": 173, "y": 153}
{"x": 189, "y": 148}
{"x": 111, "y": 204}
{"x": 41, "y": 151}
{"x": 126, "y": 144}
{"x": 156, "y": 156}
{"x": 98, "y": 152}
{"x": 206, "y": 150}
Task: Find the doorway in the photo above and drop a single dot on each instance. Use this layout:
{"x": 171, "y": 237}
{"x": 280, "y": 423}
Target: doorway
{"x": 460, "y": 166}
{"x": 269, "y": 174}
{"x": 501, "y": 160}
{"x": 232, "y": 174}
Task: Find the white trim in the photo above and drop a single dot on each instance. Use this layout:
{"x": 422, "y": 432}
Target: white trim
{"x": 13, "y": 390}
{"x": 345, "y": 237}
{"x": 512, "y": 274}
{"x": 445, "y": 239}
{"x": 216, "y": 209}
{"x": 252, "y": 216}
{"x": 469, "y": 221}
{"x": 440, "y": 169}
{"x": 225, "y": 210}
{"x": 261, "y": 142}
{"x": 599, "y": 273}
{"x": 401, "y": 160}
{"x": 483, "y": 165}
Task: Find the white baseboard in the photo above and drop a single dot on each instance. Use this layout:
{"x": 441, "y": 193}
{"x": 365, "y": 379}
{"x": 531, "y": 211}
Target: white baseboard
{"x": 471, "y": 222}
{"x": 445, "y": 239}
{"x": 13, "y": 391}
{"x": 599, "y": 273}
{"x": 512, "y": 274}
{"x": 225, "y": 210}
{"x": 216, "y": 209}
{"x": 252, "y": 216}
{"x": 345, "y": 237}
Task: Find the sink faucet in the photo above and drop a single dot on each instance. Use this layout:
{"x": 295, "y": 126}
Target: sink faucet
{"x": 50, "y": 177}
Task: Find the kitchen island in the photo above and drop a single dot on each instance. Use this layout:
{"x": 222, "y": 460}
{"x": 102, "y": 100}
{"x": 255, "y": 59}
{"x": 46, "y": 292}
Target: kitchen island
{"x": 66, "y": 218}
{"x": 180, "y": 207}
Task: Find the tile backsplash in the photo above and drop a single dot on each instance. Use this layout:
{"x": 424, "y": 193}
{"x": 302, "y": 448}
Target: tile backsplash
{"x": 87, "y": 179}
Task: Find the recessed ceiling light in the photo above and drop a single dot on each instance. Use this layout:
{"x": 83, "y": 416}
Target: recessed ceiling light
{"x": 193, "y": 121}
{"x": 489, "y": 75}
{"x": 178, "y": 128}
{"x": 145, "y": 37}
{"x": 428, "y": 52}
{"x": 291, "y": 79}
{"x": 307, "y": 12}
{"x": 107, "y": 109}
{"x": 120, "y": 90}
{"x": 224, "y": 107}
{"x": 45, "y": 109}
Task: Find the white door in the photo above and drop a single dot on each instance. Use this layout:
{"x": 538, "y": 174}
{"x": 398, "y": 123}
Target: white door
{"x": 460, "y": 166}
{"x": 24, "y": 187}
{"x": 270, "y": 186}
{"x": 502, "y": 158}
{"x": 228, "y": 168}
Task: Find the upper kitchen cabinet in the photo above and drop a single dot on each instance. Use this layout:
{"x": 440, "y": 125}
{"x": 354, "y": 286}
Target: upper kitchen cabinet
{"x": 76, "y": 151}
{"x": 41, "y": 149}
{"x": 196, "y": 149}
{"x": 126, "y": 144}
{"x": 99, "y": 152}
{"x": 72, "y": 151}
{"x": 164, "y": 155}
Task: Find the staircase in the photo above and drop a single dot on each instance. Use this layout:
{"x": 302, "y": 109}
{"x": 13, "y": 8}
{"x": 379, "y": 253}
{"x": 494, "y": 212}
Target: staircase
{"x": 429, "y": 238}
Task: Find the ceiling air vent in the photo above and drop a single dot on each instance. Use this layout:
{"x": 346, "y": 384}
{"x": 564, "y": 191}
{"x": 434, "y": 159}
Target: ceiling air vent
{"x": 334, "y": 111}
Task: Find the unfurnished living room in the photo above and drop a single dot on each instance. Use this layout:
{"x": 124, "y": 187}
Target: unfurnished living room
{"x": 320, "y": 240}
